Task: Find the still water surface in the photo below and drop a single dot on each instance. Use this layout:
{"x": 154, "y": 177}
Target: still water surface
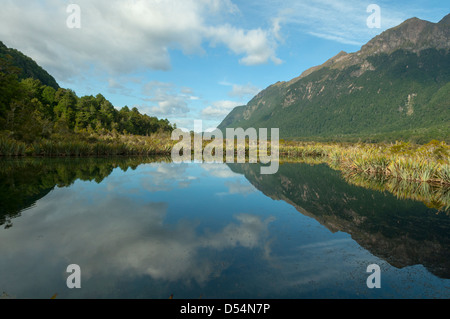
{"x": 149, "y": 229}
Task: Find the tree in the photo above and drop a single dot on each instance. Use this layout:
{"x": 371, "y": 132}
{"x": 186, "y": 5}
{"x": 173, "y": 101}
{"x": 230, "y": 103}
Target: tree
{"x": 9, "y": 87}
{"x": 67, "y": 101}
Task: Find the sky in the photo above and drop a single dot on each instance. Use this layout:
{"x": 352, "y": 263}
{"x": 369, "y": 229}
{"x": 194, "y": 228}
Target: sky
{"x": 188, "y": 60}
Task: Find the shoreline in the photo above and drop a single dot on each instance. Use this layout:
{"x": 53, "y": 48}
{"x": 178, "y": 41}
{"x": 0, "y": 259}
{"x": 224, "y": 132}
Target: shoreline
{"x": 403, "y": 161}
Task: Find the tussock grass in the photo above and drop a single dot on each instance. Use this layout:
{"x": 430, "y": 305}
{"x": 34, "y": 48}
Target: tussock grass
{"x": 418, "y": 172}
{"x": 89, "y": 145}
{"x": 402, "y": 161}
{"x": 11, "y": 147}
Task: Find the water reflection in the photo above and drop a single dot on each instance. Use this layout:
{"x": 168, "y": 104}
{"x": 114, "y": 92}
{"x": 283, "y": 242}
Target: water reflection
{"x": 403, "y": 232}
{"x": 24, "y": 181}
{"x": 147, "y": 228}
{"x": 433, "y": 196}
{"x": 113, "y": 228}
{"x": 134, "y": 238}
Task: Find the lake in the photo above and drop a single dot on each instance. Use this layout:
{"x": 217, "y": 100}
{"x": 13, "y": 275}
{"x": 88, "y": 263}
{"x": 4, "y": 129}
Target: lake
{"x": 150, "y": 228}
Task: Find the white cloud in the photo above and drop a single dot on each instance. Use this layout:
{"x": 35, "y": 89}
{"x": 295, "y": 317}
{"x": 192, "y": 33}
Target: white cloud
{"x": 219, "y": 109}
{"x": 113, "y": 84}
{"x": 336, "y": 20}
{"x": 246, "y": 91}
{"x": 168, "y": 98}
{"x": 157, "y": 88}
{"x": 127, "y": 35}
{"x": 254, "y": 44}
{"x": 243, "y": 92}
{"x": 333, "y": 20}
{"x": 335, "y": 38}
{"x": 186, "y": 90}
{"x": 276, "y": 29}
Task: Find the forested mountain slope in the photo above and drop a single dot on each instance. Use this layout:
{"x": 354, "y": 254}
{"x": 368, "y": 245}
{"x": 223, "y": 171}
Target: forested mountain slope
{"x": 396, "y": 87}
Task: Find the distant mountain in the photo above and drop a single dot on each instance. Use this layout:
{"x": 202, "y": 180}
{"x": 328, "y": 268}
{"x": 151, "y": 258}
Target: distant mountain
{"x": 29, "y": 68}
{"x": 396, "y": 87}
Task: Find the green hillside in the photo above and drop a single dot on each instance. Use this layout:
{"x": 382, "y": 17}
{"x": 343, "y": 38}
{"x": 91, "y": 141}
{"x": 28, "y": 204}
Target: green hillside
{"x": 28, "y": 67}
{"x": 396, "y": 87}
{"x": 34, "y": 108}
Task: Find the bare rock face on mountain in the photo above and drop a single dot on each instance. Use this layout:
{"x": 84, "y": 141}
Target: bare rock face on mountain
{"x": 414, "y": 35}
{"x": 396, "y": 87}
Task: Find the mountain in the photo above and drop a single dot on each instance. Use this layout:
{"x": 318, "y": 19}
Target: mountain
{"x": 28, "y": 67}
{"x": 397, "y": 86}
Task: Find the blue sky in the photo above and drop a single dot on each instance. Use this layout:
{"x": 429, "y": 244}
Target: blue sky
{"x": 192, "y": 59}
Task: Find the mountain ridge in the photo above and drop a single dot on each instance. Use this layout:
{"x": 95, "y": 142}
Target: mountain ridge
{"x": 28, "y": 67}
{"x": 399, "y": 79}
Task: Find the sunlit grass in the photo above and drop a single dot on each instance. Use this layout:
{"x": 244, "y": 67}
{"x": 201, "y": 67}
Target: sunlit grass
{"x": 418, "y": 172}
{"x": 403, "y": 161}
{"x": 84, "y": 146}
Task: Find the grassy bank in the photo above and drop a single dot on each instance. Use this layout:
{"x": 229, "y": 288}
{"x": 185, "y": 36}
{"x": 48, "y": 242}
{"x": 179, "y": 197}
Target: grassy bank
{"x": 403, "y": 161}
{"x": 90, "y": 145}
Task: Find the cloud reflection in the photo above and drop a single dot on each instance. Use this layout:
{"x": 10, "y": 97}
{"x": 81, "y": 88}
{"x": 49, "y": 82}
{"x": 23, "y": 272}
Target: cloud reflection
{"x": 116, "y": 236}
{"x": 166, "y": 177}
{"x": 219, "y": 170}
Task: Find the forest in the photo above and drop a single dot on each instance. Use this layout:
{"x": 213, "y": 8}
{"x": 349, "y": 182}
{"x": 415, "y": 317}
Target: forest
{"x": 33, "y": 112}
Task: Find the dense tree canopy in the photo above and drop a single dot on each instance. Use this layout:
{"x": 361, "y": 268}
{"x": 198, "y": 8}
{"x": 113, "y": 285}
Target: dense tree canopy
{"x": 27, "y": 68}
{"x": 30, "y": 110}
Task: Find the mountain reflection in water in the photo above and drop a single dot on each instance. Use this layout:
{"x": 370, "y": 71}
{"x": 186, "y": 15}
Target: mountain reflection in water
{"x": 403, "y": 232}
{"x": 188, "y": 228}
